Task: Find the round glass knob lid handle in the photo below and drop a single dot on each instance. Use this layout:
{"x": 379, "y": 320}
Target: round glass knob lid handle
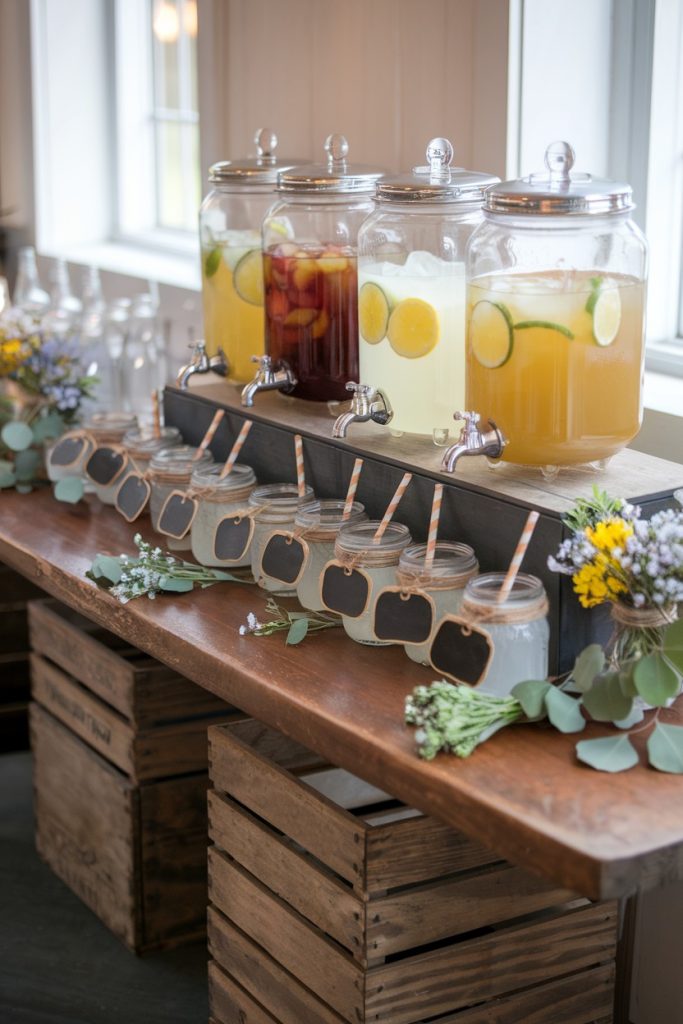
{"x": 266, "y": 142}
{"x": 439, "y": 155}
{"x": 559, "y": 159}
{"x": 337, "y": 149}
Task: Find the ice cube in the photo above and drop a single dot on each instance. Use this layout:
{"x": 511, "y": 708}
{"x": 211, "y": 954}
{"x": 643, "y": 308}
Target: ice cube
{"x": 424, "y": 264}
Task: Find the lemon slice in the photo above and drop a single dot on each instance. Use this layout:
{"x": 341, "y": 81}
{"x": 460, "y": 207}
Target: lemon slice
{"x": 491, "y": 333}
{"x": 373, "y": 313}
{"x": 607, "y": 316}
{"x": 413, "y": 328}
{"x": 248, "y": 278}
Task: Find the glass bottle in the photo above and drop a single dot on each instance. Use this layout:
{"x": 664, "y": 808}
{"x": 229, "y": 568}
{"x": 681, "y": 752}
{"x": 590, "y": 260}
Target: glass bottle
{"x": 232, "y": 266}
{"x": 274, "y": 508}
{"x": 140, "y": 371}
{"x": 169, "y": 470}
{"x": 95, "y": 359}
{"x": 556, "y": 293}
{"x": 411, "y": 290}
{"x": 218, "y": 498}
{"x": 310, "y": 245}
{"x": 444, "y": 581}
{"x": 319, "y": 522}
{"x": 378, "y": 561}
{"x": 28, "y": 295}
{"x": 518, "y": 629}
{"x": 110, "y": 354}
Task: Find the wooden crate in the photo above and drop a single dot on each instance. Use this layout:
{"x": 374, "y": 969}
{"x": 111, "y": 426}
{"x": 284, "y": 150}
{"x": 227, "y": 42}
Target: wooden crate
{"x": 356, "y": 908}
{"x": 15, "y": 593}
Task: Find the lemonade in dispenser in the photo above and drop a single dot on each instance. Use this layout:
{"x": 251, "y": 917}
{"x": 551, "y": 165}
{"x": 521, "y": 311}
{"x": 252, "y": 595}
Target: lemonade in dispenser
{"x": 556, "y": 292}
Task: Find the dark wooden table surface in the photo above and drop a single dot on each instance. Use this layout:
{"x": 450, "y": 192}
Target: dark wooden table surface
{"x": 523, "y": 793}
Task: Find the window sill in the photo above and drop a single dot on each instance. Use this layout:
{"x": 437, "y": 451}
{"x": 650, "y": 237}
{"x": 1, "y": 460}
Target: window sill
{"x": 169, "y": 268}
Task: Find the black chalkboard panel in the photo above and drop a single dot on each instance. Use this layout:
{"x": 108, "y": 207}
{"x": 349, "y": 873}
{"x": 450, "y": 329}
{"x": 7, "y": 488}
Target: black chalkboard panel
{"x": 132, "y": 496}
{"x": 461, "y": 651}
{"x": 403, "y": 618}
{"x": 284, "y": 558}
{"x": 67, "y": 451}
{"x": 177, "y": 514}
{"x": 344, "y": 590}
{"x": 232, "y": 538}
{"x": 105, "y": 465}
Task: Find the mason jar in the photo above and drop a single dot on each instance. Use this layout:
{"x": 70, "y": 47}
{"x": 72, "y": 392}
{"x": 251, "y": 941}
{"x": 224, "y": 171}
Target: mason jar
{"x": 318, "y": 523}
{"x": 274, "y": 508}
{"x": 218, "y": 498}
{"x": 518, "y": 628}
{"x": 170, "y": 470}
{"x": 143, "y": 444}
{"x": 108, "y": 430}
{"x": 444, "y": 581}
{"x": 356, "y": 549}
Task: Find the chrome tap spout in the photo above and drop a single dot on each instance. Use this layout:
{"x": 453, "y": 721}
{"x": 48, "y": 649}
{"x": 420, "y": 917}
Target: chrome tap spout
{"x": 368, "y": 403}
{"x": 268, "y": 378}
{"x": 202, "y": 363}
{"x": 488, "y": 440}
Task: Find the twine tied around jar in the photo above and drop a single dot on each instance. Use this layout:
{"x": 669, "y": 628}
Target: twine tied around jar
{"x": 370, "y": 557}
{"x": 218, "y": 495}
{"x": 638, "y": 631}
{"x": 412, "y": 582}
{"x": 475, "y": 613}
{"x": 649, "y": 617}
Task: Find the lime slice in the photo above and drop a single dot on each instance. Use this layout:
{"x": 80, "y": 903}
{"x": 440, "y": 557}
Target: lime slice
{"x": 413, "y": 328}
{"x": 491, "y": 333}
{"x": 547, "y": 325}
{"x": 212, "y": 262}
{"x": 373, "y": 313}
{"x": 607, "y": 316}
{"x": 248, "y": 278}
{"x": 596, "y": 285}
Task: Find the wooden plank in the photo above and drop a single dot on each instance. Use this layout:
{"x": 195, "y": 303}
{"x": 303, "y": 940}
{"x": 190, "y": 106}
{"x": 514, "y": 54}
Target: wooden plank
{"x": 293, "y": 876}
{"x": 329, "y": 832}
{"x": 275, "y": 746}
{"x": 448, "y": 907}
{"x": 480, "y": 969}
{"x": 252, "y": 968}
{"x": 320, "y": 964}
{"x": 87, "y": 825}
{"x": 230, "y": 1004}
{"x": 176, "y": 749}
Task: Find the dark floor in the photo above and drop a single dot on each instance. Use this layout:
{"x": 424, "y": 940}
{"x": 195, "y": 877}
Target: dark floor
{"x": 58, "y": 962}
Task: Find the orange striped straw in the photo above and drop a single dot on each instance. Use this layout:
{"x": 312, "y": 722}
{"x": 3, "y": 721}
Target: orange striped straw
{"x": 300, "y": 475}
{"x": 518, "y": 557}
{"x": 353, "y": 485}
{"x": 391, "y": 507}
{"x": 156, "y": 414}
{"x": 236, "y": 448}
{"x": 208, "y": 436}
{"x": 433, "y": 525}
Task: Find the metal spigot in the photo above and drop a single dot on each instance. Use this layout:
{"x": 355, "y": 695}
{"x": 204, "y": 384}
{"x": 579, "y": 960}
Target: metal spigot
{"x": 268, "y": 378}
{"x": 202, "y": 363}
{"x": 368, "y": 403}
{"x": 489, "y": 440}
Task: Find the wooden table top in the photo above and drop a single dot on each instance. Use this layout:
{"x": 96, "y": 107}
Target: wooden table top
{"x": 523, "y": 793}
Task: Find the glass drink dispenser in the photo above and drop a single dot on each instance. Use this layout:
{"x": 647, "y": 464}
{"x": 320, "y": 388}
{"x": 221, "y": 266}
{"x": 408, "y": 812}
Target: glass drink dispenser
{"x": 556, "y": 292}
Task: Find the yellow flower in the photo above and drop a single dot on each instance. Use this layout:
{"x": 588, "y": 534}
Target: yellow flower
{"x": 609, "y": 534}
{"x": 596, "y": 583}
{"x": 11, "y": 355}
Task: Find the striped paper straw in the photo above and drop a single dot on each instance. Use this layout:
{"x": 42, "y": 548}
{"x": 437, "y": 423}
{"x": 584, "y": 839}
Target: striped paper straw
{"x": 208, "y": 436}
{"x": 391, "y": 507}
{"x": 433, "y": 525}
{"x": 156, "y": 414}
{"x": 353, "y": 485}
{"x": 236, "y": 448}
{"x": 517, "y": 558}
{"x": 300, "y": 475}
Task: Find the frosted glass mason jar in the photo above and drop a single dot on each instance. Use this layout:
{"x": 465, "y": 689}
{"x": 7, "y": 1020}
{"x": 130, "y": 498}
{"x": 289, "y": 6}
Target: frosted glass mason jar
{"x": 321, "y": 522}
{"x": 274, "y": 508}
{"x": 109, "y": 428}
{"x": 518, "y": 628}
{"x": 444, "y": 581}
{"x": 218, "y": 498}
{"x": 141, "y": 445}
{"x": 378, "y": 562}
{"x": 171, "y": 470}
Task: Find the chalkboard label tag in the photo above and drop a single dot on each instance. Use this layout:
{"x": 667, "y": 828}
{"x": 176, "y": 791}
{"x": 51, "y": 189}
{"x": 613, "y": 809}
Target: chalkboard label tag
{"x": 132, "y": 496}
{"x": 177, "y": 515}
{"x": 403, "y": 618}
{"x": 345, "y": 590}
{"x": 461, "y": 651}
{"x": 68, "y": 451}
{"x": 105, "y": 466}
{"x": 284, "y": 558}
{"x": 232, "y": 538}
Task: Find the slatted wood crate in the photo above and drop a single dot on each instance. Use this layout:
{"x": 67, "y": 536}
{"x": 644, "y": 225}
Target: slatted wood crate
{"x": 120, "y": 778}
{"x": 332, "y": 903}
{"x": 15, "y": 593}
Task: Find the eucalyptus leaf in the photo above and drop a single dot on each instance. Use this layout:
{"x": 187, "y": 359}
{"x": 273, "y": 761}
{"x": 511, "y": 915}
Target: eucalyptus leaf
{"x": 605, "y": 701}
{"x": 225, "y": 576}
{"x": 7, "y": 476}
{"x": 610, "y": 754}
{"x": 531, "y": 695}
{"x": 626, "y": 680}
{"x": 297, "y": 631}
{"x": 587, "y": 666}
{"x": 26, "y": 464}
{"x": 70, "y": 489}
{"x": 665, "y": 748}
{"x": 634, "y": 718}
{"x": 49, "y": 427}
{"x": 24, "y": 488}
{"x": 176, "y": 586}
{"x": 107, "y": 566}
{"x": 564, "y": 711}
{"x": 17, "y": 435}
{"x": 673, "y": 644}
{"x": 655, "y": 680}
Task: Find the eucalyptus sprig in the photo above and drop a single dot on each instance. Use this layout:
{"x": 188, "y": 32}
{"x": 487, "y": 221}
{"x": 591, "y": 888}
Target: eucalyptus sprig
{"x": 297, "y": 624}
{"x": 587, "y": 512}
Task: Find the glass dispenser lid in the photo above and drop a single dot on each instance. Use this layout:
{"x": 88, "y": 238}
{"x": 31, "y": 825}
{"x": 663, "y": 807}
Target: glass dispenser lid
{"x": 438, "y": 182}
{"x": 559, "y": 190}
{"x": 259, "y": 170}
{"x": 336, "y": 176}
